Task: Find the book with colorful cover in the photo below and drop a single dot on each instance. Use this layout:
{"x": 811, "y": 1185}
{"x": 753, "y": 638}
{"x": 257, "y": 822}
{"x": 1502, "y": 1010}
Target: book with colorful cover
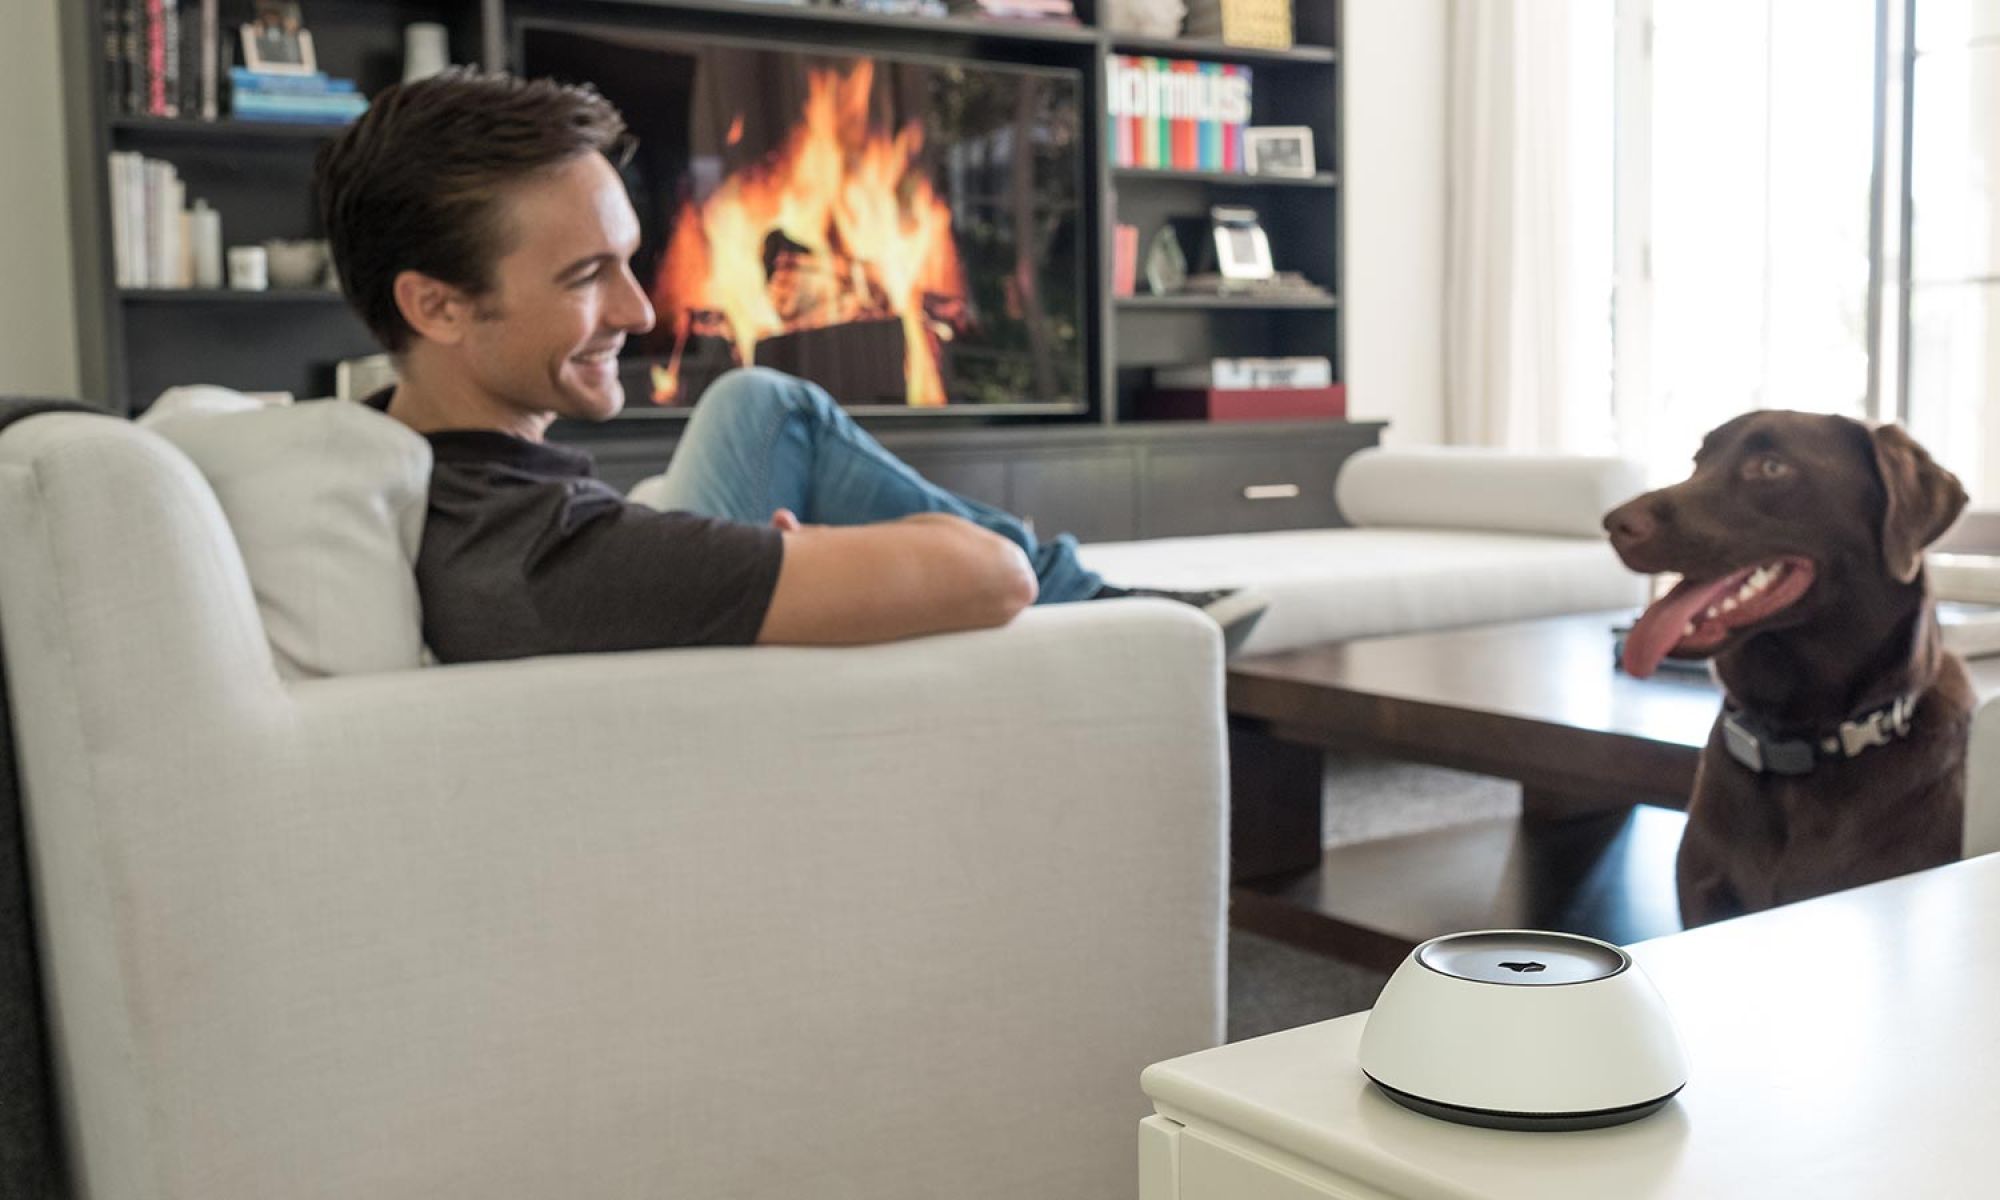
{"x": 1177, "y": 114}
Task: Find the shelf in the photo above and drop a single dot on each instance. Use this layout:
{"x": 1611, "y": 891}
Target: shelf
{"x": 229, "y": 296}
{"x": 227, "y": 129}
{"x": 1325, "y": 179}
{"x": 1238, "y": 303}
{"x": 1017, "y": 31}
{"x": 1217, "y": 51}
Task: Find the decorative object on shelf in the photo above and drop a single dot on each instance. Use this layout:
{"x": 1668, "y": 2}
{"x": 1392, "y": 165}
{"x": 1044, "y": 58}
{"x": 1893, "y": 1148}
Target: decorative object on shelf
{"x": 1282, "y": 150}
{"x": 1242, "y": 250}
{"x": 1264, "y": 24}
{"x": 1145, "y": 18}
{"x": 204, "y": 226}
{"x": 1124, "y": 260}
{"x": 312, "y": 99}
{"x": 426, "y": 50}
{"x": 1177, "y": 113}
{"x": 295, "y": 262}
{"x": 276, "y": 43}
{"x": 249, "y": 269}
{"x": 1166, "y": 263}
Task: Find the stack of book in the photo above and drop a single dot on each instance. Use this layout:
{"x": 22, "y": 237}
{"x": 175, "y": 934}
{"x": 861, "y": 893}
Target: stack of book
{"x": 160, "y": 57}
{"x": 315, "y": 99}
{"x": 150, "y": 245}
{"x": 1176, "y": 114}
{"x": 1246, "y": 389}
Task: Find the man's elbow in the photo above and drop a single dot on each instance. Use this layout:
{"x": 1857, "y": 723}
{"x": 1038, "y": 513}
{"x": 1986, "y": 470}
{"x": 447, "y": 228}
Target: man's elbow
{"x": 1007, "y": 585}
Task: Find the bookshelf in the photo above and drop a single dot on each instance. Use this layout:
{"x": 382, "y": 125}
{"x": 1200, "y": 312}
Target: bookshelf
{"x": 137, "y": 342}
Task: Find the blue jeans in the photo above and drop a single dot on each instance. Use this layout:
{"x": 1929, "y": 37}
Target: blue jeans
{"x": 761, "y": 440}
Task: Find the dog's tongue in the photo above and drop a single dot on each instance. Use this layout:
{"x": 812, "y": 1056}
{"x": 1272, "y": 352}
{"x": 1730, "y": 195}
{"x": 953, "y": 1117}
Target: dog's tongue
{"x": 1658, "y": 629}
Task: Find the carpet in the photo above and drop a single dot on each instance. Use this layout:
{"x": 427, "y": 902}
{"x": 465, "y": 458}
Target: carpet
{"x": 1273, "y": 986}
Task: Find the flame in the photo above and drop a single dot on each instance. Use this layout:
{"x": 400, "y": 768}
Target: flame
{"x": 860, "y": 234}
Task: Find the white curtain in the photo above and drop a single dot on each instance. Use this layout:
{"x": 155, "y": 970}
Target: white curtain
{"x": 1510, "y": 374}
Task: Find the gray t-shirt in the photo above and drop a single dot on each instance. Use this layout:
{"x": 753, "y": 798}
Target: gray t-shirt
{"x": 526, "y": 552}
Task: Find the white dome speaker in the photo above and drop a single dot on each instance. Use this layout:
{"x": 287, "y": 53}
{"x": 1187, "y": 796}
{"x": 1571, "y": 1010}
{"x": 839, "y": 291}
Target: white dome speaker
{"x": 1517, "y": 1029}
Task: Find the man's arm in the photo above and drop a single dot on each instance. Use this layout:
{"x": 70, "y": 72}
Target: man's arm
{"x": 928, "y": 573}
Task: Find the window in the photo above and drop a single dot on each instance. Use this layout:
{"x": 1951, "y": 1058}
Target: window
{"x": 1744, "y": 165}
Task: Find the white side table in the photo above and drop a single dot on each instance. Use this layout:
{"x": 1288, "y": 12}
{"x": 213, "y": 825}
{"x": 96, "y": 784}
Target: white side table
{"x": 1844, "y": 1047}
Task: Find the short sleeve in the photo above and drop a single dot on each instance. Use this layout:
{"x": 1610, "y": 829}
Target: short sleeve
{"x": 513, "y": 568}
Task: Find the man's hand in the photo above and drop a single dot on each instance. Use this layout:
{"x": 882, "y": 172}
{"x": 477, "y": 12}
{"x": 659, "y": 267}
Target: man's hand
{"x": 784, "y": 522}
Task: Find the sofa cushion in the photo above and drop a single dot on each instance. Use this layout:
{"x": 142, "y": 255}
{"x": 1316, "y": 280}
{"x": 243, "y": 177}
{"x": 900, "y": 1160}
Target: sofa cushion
{"x": 1460, "y": 487}
{"x": 326, "y": 500}
{"x": 1329, "y": 585}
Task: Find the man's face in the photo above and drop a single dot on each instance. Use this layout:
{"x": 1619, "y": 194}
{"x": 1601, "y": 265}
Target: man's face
{"x": 547, "y": 338}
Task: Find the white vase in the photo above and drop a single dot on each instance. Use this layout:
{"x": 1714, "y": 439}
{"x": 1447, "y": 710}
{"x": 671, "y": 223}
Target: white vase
{"x": 426, "y": 50}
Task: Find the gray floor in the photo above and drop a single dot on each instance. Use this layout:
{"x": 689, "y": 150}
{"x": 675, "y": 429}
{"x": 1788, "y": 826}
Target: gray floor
{"x": 1273, "y": 986}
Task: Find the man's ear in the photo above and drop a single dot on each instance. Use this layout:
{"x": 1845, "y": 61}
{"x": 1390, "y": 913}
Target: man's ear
{"x": 1921, "y": 500}
{"x": 436, "y": 310}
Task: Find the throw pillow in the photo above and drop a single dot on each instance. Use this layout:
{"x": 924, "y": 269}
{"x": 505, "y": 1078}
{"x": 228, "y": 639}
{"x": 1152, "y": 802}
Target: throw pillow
{"x": 326, "y": 500}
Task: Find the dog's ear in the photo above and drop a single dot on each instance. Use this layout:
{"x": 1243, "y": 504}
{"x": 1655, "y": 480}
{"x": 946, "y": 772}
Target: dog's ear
{"x": 1921, "y": 500}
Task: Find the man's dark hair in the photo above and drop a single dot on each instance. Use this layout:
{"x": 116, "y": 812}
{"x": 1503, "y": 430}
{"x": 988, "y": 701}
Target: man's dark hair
{"x": 416, "y": 184}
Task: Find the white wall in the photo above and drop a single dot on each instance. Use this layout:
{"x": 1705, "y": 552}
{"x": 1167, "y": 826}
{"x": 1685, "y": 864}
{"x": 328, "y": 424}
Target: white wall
{"x": 37, "y": 311}
{"x": 1393, "y": 56}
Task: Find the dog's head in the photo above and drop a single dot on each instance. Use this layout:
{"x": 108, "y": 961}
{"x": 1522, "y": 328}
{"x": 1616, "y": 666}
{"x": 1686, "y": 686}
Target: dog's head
{"x": 1788, "y": 518}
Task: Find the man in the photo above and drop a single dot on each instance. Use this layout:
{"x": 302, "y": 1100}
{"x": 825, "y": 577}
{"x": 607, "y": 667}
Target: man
{"x": 482, "y": 232}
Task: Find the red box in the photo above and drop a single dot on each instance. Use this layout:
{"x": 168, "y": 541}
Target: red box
{"x": 1245, "y": 404}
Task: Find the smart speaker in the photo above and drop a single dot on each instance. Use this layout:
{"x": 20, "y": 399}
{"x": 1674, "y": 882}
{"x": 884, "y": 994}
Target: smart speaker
{"x": 1519, "y": 1029}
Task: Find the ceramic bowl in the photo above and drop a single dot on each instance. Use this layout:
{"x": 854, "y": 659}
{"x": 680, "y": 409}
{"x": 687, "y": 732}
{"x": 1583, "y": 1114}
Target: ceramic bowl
{"x": 296, "y": 263}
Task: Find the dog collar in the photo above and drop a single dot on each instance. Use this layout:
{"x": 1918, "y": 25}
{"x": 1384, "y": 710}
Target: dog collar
{"x": 1762, "y": 752}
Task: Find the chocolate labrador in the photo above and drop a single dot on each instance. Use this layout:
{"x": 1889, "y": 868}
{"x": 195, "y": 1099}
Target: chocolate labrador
{"x": 1839, "y": 755}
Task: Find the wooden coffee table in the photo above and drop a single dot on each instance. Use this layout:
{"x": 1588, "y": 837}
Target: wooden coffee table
{"x": 1604, "y": 761}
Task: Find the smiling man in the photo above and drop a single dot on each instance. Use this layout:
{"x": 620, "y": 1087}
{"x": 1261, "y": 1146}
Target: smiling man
{"x": 481, "y": 230}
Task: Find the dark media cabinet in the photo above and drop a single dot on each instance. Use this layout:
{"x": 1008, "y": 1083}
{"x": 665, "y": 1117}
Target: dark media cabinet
{"x": 1101, "y": 474}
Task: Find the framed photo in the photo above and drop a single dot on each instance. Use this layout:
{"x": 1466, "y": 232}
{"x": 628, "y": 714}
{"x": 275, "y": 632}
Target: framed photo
{"x": 1282, "y": 150}
{"x": 276, "y": 43}
{"x": 1242, "y": 249}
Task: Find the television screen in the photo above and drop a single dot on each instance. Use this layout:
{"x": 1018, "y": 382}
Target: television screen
{"x": 908, "y": 233}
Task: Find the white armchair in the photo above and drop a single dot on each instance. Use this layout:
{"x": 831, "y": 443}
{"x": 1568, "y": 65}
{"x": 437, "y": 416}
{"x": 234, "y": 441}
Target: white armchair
{"x": 904, "y": 921}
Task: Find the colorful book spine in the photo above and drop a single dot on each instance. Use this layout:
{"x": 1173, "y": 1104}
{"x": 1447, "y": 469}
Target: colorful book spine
{"x": 1177, "y": 114}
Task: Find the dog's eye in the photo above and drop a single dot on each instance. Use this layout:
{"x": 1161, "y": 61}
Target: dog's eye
{"x": 1766, "y": 466}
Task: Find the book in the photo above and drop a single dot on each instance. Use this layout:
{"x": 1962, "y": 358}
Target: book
{"x": 154, "y": 45}
{"x": 318, "y": 83}
{"x": 210, "y": 35}
{"x": 1177, "y": 114}
{"x": 1124, "y": 260}
{"x": 1296, "y": 372}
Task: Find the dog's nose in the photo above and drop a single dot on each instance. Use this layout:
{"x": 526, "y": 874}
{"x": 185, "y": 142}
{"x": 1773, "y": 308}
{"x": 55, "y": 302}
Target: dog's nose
{"x": 1630, "y": 524}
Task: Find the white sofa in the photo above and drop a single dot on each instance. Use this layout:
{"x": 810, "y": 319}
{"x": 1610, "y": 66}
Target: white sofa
{"x": 904, "y": 921}
{"x": 1439, "y": 537}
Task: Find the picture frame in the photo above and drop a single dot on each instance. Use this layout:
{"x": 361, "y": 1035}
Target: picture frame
{"x": 1242, "y": 248}
{"x": 1282, "y": 151}
{"x": 275, "y": 42}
